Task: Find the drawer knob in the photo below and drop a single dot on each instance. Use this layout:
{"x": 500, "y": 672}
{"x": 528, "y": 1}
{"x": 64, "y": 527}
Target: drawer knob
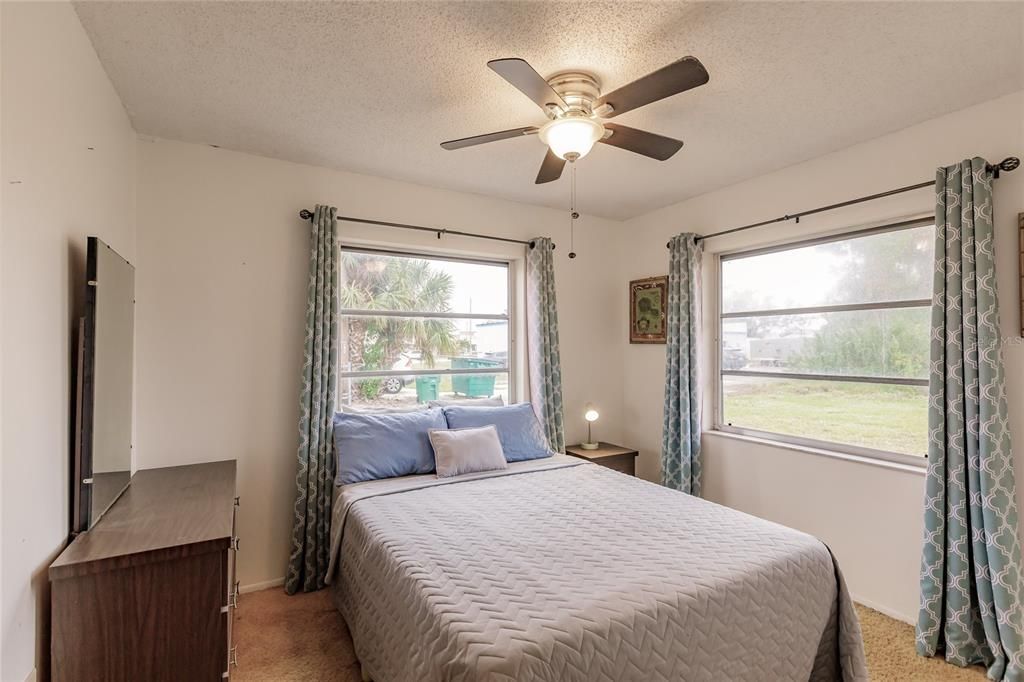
{"x": 234, "y": 543}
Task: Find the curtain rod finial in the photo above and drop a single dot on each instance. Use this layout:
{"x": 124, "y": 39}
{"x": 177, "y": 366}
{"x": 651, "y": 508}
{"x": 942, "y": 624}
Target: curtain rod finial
{"x": 306, "y": 214}
{"x": 1010, "y": 163}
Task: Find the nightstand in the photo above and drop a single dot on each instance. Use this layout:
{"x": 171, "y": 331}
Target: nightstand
{"x": 608, "y": 455}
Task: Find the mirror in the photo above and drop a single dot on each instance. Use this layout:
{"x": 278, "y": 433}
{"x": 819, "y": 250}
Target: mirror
{"x": 103, "y": 456}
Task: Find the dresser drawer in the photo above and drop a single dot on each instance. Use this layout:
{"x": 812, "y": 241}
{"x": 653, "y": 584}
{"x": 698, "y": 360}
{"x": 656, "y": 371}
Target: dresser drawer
{"x": 155, "y": 621}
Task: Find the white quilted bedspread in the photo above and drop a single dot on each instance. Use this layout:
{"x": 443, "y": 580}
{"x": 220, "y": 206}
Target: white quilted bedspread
{"x": 579, "y": 573}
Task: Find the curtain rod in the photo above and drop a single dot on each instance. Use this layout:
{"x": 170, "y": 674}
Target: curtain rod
{"x": 306, "y": 214}
{"x": 1008, "y": 164}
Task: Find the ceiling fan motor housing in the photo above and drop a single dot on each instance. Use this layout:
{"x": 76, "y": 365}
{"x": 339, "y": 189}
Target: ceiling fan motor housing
{"x": 579, "y": 90}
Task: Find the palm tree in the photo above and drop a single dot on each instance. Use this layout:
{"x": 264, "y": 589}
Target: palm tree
{"x": 378, "y": 282}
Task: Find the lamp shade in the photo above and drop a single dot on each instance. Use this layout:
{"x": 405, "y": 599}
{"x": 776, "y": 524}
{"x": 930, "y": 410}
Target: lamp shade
{"x": 572, "y": 137}
{"x": 591, "y": 414}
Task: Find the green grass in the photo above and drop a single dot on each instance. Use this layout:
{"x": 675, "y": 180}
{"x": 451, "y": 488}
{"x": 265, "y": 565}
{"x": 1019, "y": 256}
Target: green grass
{"x": 892, "y": 418}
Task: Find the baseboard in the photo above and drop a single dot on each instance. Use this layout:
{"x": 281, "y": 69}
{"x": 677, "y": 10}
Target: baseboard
{"x": 276, "y": 582}
{"x": 31, "y": 676}
{"x": 885, "y": 610}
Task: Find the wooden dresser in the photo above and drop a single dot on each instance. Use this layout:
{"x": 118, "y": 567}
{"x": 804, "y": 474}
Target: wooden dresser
{"x": 148, "y": 593}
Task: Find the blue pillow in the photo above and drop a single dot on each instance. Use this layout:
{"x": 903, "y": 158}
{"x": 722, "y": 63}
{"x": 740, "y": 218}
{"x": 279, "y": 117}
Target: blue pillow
{"x": 372, "y": 446}
{"x": 521, "y": 435}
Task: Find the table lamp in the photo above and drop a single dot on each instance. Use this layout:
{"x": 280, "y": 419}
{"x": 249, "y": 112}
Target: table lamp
{"x": 591, "y": 416}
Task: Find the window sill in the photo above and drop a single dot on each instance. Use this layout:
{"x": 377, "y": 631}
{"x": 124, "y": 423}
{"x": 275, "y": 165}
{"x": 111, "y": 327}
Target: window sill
{"x": 834, "y": 454}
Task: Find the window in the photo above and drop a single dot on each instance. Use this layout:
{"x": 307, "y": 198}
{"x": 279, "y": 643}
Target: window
{"x": 417, "y": 328}
{"x": 826, "y": 343}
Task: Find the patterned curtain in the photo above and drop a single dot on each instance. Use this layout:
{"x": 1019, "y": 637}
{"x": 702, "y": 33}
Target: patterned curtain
{"x": 970, "y": 566}
{"x": 680, "y": 438}
{"x": 542, "y": 341}
{"x": 307, "y": 565}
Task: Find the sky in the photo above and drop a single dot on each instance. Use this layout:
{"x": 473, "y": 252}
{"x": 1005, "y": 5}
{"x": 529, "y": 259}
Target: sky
{"x": 479, "y": 288}
{"x": 804, "y": 277}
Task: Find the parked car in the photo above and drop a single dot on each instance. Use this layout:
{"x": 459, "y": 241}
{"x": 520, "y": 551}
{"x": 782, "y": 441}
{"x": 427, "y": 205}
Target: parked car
{"x": 394, "y": 384}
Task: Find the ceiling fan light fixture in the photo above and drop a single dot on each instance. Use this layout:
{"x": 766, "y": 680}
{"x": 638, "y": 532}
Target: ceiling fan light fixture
{"x": 571, "y": 137}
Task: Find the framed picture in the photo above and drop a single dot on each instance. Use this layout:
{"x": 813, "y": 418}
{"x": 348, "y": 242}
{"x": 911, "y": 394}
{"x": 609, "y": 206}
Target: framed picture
{"x": 648, "y": 301}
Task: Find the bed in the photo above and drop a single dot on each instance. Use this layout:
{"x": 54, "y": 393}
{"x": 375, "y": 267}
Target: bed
{"x": 562, "y": 570}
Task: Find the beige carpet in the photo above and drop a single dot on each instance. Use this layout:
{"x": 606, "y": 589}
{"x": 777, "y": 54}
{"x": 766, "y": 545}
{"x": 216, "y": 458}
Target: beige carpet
{"x": 304, "y": 638}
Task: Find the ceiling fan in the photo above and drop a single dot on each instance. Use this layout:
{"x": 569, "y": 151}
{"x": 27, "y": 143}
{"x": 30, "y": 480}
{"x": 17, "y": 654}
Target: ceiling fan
{"x": 575, "y": 106}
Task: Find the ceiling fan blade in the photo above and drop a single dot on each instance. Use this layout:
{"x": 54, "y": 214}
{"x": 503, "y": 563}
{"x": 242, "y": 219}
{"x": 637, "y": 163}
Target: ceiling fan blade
{"x": 525, "y": 79}
{"x": 669, "y": 80}
{"x": 641, "y": 142}
{"x": 489, "y": 137}
{"x": 550, "y": 169}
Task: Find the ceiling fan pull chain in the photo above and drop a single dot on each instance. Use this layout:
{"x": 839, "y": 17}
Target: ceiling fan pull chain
{"x": 573, "y": 215}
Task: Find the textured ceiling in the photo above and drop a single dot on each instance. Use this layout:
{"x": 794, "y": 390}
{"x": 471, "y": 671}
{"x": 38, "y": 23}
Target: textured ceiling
{"x": 374, "y": 87}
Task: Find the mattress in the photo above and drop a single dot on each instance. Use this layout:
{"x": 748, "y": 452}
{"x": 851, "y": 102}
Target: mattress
{"x": 557, "y": 570}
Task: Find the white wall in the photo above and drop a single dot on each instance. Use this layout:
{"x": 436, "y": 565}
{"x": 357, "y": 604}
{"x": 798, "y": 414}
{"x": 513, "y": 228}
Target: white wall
{"x": 869, "y": 515}
{"x": 68, "y": 171}
{"x": 221, "y": 291}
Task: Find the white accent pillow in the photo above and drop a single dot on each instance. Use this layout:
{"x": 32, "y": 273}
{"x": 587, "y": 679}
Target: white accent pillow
{"x": 466, "y": 451}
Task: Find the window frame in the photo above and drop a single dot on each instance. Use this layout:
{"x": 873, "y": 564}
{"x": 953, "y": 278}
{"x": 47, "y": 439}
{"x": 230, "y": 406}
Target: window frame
{"x": 720, "y": 424}
{"x": 510, "y": 318}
